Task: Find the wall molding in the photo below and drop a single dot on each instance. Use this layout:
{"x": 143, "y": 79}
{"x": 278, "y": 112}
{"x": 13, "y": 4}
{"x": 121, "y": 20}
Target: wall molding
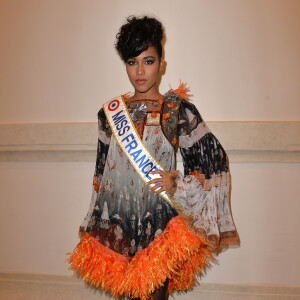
{"x": 243, "y": 141}
{"x": 35, "y": 286}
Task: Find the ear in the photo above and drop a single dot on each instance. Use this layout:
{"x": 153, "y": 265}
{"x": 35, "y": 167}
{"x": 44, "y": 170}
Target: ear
{"x": 162, "y": 64}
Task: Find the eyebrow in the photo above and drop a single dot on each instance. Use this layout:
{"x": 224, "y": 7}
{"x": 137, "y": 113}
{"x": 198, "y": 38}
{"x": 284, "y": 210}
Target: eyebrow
{"x": 147, "y": 57}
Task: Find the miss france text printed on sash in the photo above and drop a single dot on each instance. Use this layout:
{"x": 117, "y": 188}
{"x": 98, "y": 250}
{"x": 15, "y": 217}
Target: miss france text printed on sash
{"x": 128, "y": 140}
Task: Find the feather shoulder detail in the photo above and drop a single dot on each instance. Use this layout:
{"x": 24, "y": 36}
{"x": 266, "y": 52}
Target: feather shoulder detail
{"x": 182, "y": 91}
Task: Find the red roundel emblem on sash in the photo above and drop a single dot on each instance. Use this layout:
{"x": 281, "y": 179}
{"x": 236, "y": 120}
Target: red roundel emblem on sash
{"x": 113, "y": 105}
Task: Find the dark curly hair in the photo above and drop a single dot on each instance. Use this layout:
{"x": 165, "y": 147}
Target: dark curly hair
{"x": 137, "y": 35}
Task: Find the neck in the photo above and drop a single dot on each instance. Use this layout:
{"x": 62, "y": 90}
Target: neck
{"x": 151, "y": 95}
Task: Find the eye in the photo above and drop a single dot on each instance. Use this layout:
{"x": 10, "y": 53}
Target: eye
{"x": 149, "y": 62}
{"x": 131, "y": 62}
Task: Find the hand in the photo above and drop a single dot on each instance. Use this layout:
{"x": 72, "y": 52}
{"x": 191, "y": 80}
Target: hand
{"x": 168, "y": 182}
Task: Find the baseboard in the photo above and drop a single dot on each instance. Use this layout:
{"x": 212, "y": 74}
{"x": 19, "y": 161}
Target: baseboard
{"x": 34, "y": 286}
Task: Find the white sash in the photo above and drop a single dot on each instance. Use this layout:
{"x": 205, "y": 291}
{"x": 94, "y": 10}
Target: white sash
{"x": 130, "y": 142}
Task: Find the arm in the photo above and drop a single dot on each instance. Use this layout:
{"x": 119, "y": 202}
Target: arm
{"x": 202, "y": 192}
{"x": 104, "y": 135}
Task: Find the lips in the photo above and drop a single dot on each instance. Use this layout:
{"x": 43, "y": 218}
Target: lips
{"x": 140, "y": 81}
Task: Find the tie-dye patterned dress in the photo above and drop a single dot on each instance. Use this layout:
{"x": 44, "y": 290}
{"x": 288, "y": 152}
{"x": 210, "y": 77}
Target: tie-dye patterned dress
{"x": 133, "y": 240}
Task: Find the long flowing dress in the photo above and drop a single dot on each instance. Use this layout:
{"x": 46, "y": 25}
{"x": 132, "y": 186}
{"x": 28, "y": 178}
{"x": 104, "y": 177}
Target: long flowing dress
{"x": 133, "y": 239}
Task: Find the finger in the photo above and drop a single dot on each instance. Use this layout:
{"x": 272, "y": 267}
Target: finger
{"x": 154, "y": 180}
{"x": 161, "y": 190}
{"x": 156, "y": 186}
{"x": 162, "y": 173}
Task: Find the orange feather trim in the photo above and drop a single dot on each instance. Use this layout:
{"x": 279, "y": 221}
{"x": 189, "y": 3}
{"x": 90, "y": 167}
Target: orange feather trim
{"x": 182, "y": 90}
{"x": 176, "y": 253}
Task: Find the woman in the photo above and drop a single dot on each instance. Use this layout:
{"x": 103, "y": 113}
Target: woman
{"x": 149, "y": 227}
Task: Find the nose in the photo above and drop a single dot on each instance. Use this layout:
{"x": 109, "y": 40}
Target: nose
{"x": 140, "y": 69}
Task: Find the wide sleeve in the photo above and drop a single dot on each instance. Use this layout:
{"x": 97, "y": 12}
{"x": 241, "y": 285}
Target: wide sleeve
{"x": 104, "y": 135}
{"x": 203, "y": 190}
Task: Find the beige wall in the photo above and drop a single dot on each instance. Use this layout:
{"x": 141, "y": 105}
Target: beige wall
{"x": 241, "y": 60}
{"x": 240, "y": 57}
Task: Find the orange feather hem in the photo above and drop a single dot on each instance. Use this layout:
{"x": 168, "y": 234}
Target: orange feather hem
{"x": 176, "y": 253}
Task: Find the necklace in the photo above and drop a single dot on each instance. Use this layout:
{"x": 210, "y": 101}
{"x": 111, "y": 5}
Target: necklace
{"x": 159, "y": 100}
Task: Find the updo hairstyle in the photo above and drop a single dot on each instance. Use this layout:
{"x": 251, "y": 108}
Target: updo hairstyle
{"x": 137, "y": 35}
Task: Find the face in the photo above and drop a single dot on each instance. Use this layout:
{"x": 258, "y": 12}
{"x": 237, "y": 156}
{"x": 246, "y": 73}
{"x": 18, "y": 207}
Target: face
{"x": 143, "y": 71}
